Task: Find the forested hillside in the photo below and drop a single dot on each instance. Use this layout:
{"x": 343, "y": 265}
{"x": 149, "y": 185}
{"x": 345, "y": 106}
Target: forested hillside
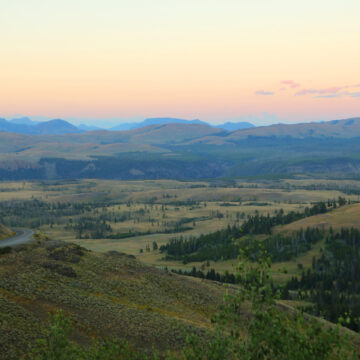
{"x": 225, "y": 244}
{"x": 330, "y": 286}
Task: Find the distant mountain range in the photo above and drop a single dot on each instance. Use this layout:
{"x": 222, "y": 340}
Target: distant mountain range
{"x": 25, "y": 125}
{"x": 156, "y": 121}
{"x": 178, "y": 150}
{"x": 162, "y": 121}
{"x": 231, "y": 126}
{"x": 227, "y": 132}
{"x": 23, "y": 121}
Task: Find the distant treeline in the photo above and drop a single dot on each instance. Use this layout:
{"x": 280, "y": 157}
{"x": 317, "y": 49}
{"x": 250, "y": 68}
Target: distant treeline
{"x": 224, "y": 244}
{"x": 227, "y": 278}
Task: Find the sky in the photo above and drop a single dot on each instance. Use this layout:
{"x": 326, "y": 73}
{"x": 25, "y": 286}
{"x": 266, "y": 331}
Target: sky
{"x": 116, "y": 60}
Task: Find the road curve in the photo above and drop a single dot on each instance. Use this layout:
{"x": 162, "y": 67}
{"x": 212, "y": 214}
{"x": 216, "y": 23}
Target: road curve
{"x": 22, "y": 236}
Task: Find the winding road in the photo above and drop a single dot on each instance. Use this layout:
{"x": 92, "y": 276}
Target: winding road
{"x": 22, "y": 236}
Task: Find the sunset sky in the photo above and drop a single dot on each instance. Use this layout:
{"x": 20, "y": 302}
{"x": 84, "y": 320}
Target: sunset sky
{"x": 212, "y": 60}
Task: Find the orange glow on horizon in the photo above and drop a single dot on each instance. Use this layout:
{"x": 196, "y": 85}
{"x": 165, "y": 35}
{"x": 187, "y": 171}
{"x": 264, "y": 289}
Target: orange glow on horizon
{"x": 208, "y": 60}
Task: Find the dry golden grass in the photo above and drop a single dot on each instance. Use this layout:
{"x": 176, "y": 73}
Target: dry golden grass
{"x": 205, "y": 221}
{"x": 132, "y": 196}
{"x": 346, "y": 216}
{"x": 166, "y": 191}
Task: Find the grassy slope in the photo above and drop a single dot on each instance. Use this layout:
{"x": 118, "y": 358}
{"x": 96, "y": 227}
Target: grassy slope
{"x": 346, "y": 216}
{"x": 98, "y": 143}
{"x": 112, "y": 295}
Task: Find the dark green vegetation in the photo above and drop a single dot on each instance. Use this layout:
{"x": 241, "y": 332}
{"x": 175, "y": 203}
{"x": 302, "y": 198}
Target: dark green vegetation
{"x": 211, "y": 274}
{"x": 185, "y": 151}
{"x": 225, "y": 244}
{"x": 333, "y": 284}
{"x": 33, "y": 213}
{"x": 87, "y": 220}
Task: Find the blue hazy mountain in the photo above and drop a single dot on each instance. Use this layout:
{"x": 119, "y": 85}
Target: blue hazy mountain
{"x": 229, "y": 126}
{"x": 52, "y": 127}
{"x": 86, "y": 127}
{"x": 56, "y": 126}
{"x": 23, "y": 121}
{"x": 156, "y": 121}
{"x": 24, "y": 125}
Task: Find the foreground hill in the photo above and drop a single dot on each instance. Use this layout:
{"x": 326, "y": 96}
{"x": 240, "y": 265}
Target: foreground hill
{"x": 109, "y": 294}
{"x": 112, "y": 295}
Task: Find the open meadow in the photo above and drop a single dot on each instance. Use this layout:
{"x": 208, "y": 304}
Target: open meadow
{"x": 138, "y": 217}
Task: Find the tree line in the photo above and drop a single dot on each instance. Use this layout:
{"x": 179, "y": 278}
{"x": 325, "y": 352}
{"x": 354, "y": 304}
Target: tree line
{"x": 221, "y": 244}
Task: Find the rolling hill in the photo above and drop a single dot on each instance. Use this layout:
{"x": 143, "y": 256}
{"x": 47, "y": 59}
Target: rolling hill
{"x": 109, "y": 294}
{"x": 347, "y": 128}
{"x": 154, "y": 138}
{"x": 183, "y": 151}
